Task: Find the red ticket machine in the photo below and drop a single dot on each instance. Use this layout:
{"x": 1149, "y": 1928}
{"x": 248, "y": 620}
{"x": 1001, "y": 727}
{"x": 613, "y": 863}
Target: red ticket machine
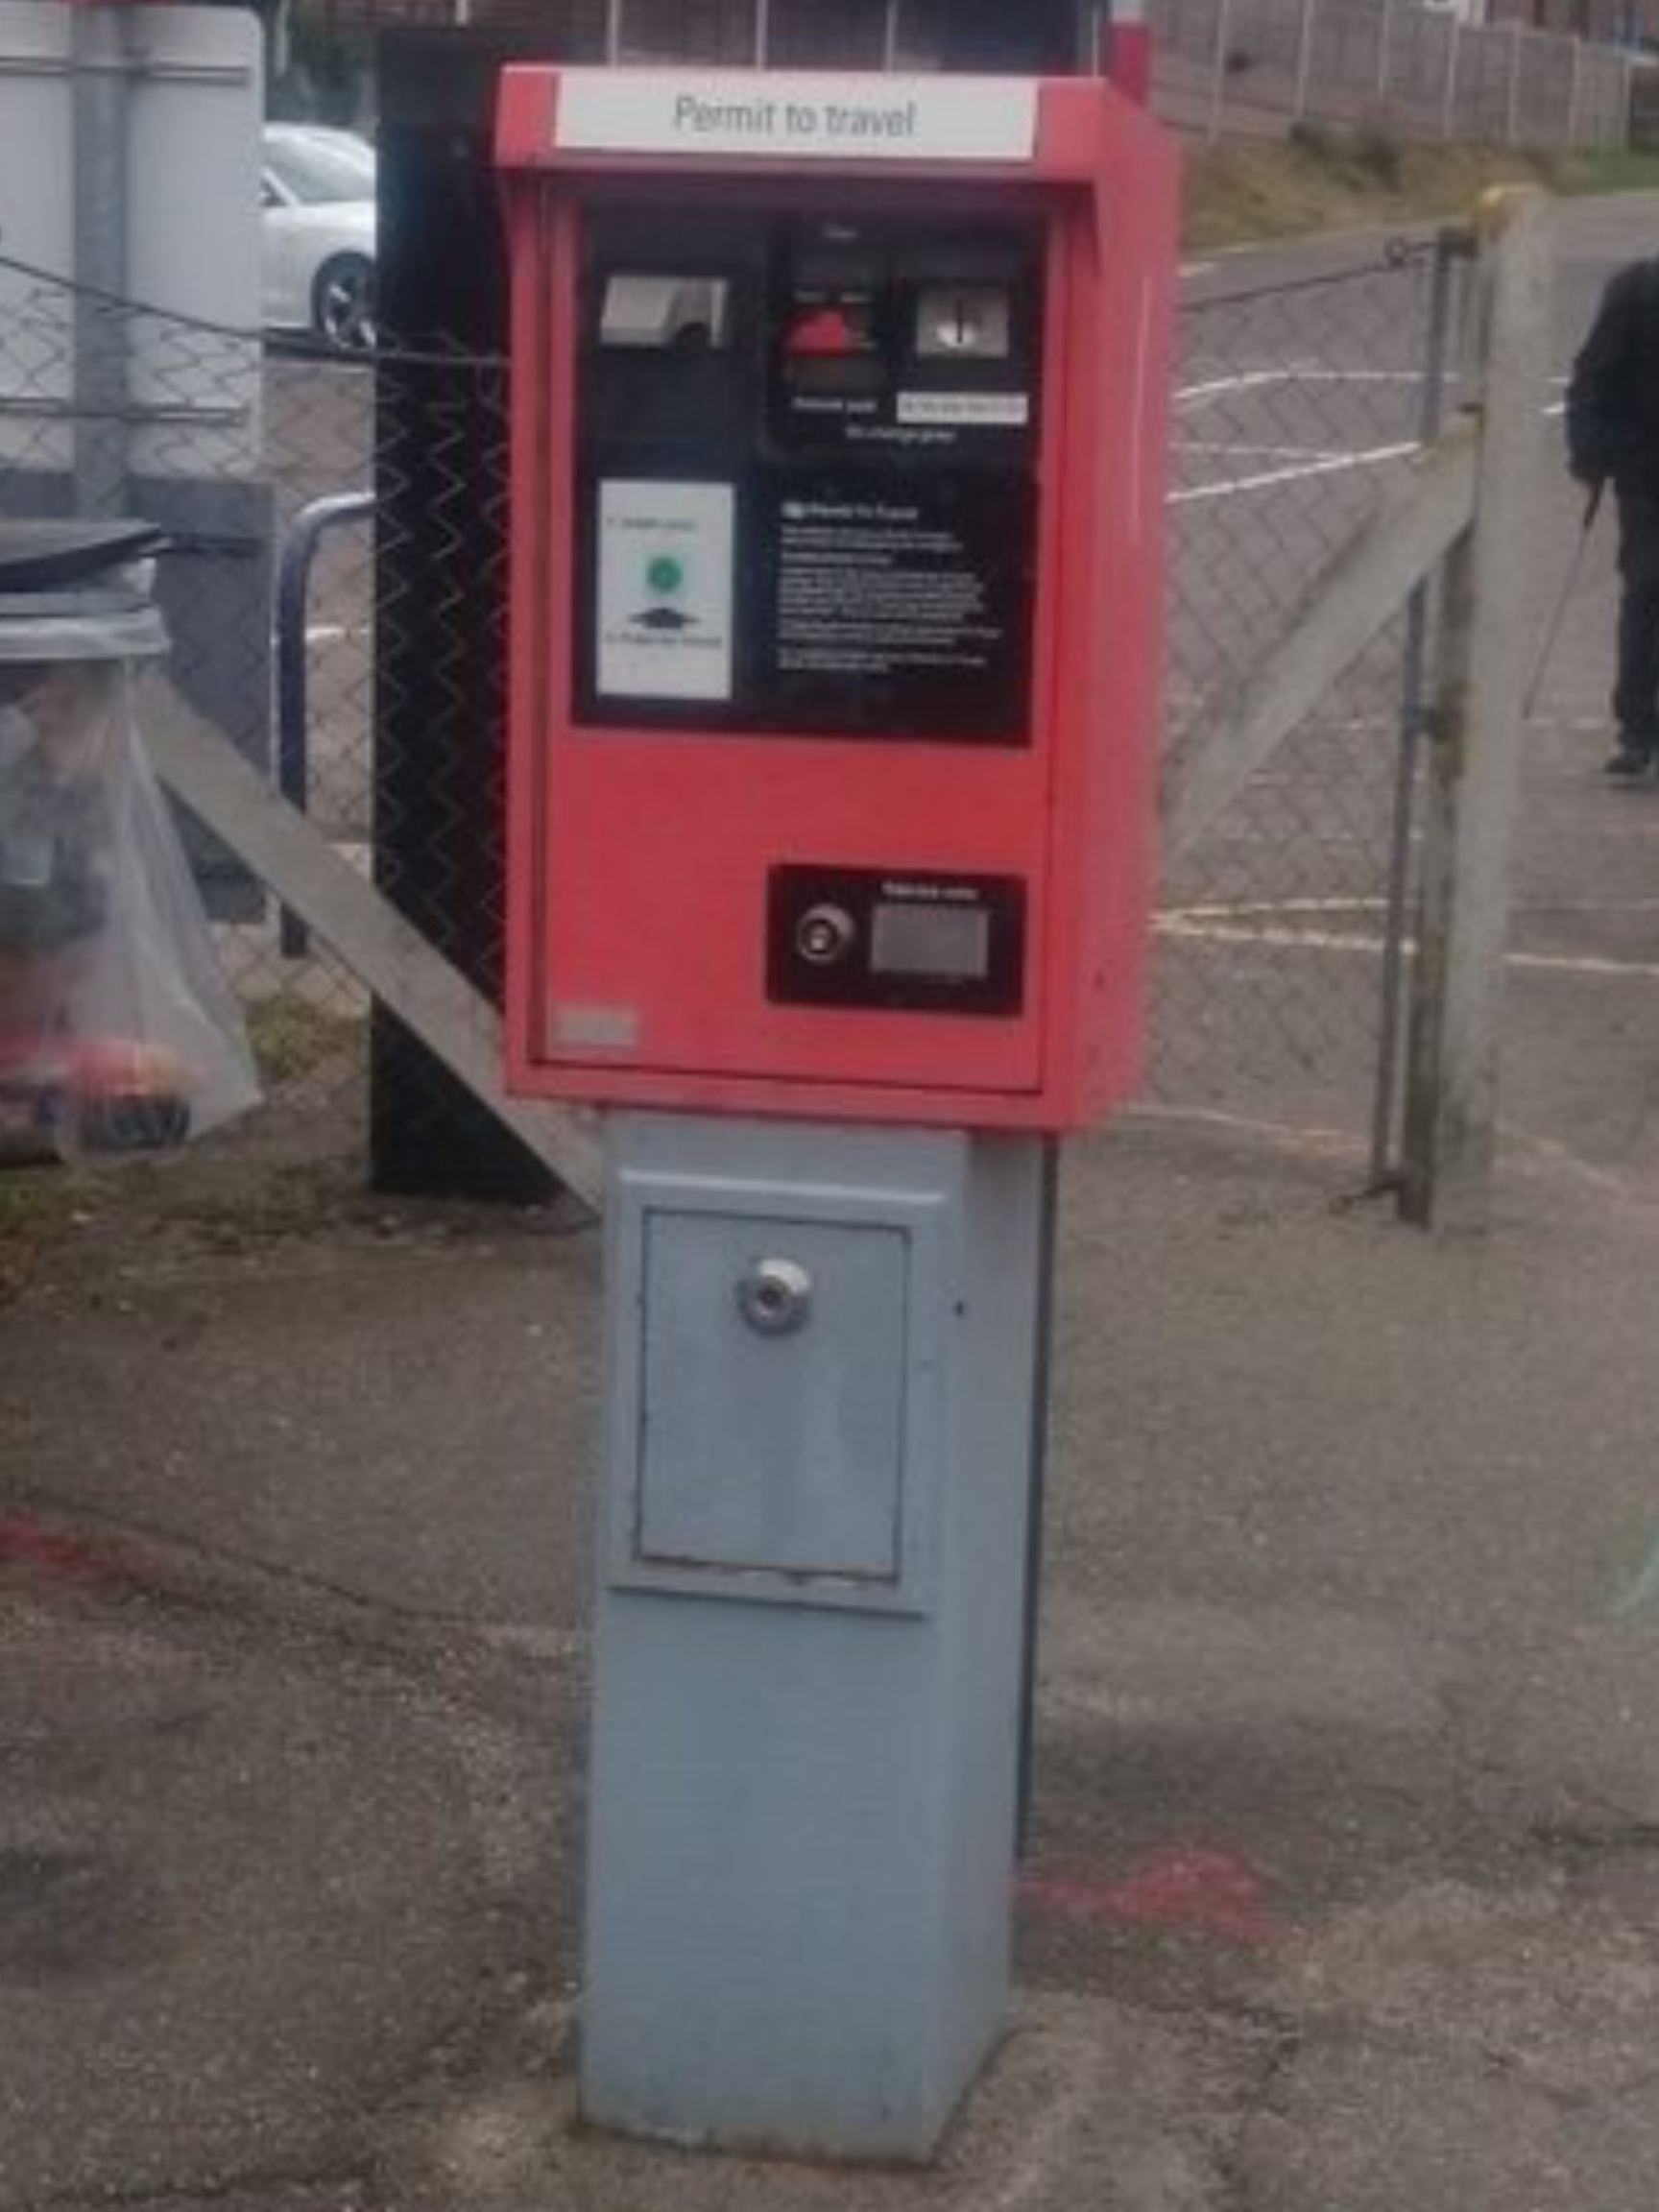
{"x": 837, "y": 538}
{"x": 837, "y": 504}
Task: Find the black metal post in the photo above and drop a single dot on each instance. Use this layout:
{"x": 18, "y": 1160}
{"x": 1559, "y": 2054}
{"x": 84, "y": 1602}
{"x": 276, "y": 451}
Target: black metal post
{"x": 439, "y": 587}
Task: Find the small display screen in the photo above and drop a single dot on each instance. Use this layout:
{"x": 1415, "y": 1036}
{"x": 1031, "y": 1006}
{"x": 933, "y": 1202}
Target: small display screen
{"x": 941, "y": 940}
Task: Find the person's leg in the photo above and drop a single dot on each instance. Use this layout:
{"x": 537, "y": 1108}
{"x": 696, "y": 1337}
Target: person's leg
{"x": 1636, "y": 692}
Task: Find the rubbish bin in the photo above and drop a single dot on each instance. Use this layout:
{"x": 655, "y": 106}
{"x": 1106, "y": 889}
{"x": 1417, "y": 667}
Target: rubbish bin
{"x": 116, "y": 1030}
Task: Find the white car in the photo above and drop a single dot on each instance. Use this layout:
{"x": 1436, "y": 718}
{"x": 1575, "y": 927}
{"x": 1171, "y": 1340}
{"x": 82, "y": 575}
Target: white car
{"x": 316, "y": 197}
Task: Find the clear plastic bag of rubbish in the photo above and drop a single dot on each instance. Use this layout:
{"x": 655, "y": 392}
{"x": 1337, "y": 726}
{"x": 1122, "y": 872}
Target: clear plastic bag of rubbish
{"x": 117, "y": 1030}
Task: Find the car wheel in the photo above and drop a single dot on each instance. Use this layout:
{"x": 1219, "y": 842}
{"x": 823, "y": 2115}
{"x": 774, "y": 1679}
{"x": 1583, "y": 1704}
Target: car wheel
{"x": 342, "y": 303}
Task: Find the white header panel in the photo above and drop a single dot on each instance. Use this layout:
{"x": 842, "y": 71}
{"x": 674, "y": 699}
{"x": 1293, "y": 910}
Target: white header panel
{"x": 817, "y": 116}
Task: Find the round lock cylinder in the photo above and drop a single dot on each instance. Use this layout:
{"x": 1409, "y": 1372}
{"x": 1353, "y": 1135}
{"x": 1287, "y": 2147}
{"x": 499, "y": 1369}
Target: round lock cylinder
{"x": 824, "y": 935}
{"x": 775, "y": 1297}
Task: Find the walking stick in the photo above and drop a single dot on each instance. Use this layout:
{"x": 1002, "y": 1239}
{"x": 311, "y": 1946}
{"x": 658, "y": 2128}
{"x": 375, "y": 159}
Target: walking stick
{"x": 1591, "y": 508}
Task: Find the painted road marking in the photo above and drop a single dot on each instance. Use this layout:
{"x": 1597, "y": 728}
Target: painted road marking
{"x": 62, "y": 1555}
{"x": 1272, "y": 452}
{"x": 1374, "y": 458}
{"x": 1192, "y": 1889}
{"x": 1316, "y": 462}
{"x": 1246, "y": 380}
{"x": 1316, "y": 1140}
{"x": 1290, "y": 373}
{"x": 1311, "y": 1141}
{"x": 1231, "y": 926}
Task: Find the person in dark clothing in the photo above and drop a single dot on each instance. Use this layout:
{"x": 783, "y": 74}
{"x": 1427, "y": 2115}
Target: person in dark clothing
{"x": 1613, "y": 437}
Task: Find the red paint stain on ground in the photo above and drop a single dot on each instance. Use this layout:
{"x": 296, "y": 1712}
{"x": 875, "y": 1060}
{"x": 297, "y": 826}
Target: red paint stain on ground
{"x": 1194, "y": 1891}
{"x": 62, "y": 1558}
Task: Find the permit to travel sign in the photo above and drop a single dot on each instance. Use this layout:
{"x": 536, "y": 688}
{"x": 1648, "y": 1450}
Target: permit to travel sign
{"x": 823, "y": 116}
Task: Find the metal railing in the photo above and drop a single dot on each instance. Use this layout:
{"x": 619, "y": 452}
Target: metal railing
{"x": 293, "y": 572}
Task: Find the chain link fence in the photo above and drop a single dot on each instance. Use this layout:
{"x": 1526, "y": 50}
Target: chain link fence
{"x": 347, "y": 635}
{"x": 1280, "y": 932}
{"x": 296, "y": 486}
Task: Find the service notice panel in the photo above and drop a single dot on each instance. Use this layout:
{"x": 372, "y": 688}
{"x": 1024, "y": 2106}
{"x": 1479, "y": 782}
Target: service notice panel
{"x": 834, "y": 119}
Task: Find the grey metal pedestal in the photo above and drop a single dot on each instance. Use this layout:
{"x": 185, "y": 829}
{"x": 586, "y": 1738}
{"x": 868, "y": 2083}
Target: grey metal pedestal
{"x": 819, "y": 1382}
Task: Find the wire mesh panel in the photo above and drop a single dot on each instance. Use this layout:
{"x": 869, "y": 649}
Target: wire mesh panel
{"x": 104, "y": 405}
{"x": 1271, "y": 935}
{"x": 307, "y": 1012}
{"x": 225, "y": 444}
{"x": 1297, "y": 405}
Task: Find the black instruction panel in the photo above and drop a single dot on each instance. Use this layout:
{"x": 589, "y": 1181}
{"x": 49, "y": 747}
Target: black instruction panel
{"x": 921, "y": 589}
{"x": 809, "y": 473}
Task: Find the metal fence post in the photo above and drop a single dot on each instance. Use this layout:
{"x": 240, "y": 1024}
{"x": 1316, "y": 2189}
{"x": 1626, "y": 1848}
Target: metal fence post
{"x": 1218, "y": 71}
{"x": 1448, "y": 89}
{"x": 1475, "y": 760}
{"x": 1449, "y": 248}
{"x": 1304, "y": 56}
{"x": 100, "y": 58}
{"x": 1512, "y": 110}
{"x": 1575, "y": 90}
{"x": 1384, "y": 54}
{"x": 612, "y": 31}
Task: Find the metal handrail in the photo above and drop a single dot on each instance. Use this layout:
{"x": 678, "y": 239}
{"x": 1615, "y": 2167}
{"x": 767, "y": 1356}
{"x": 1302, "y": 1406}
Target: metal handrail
{"x": 299, "y": 549}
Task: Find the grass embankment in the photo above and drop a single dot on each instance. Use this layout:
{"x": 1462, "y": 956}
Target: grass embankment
{"x": 1323, "y": 180}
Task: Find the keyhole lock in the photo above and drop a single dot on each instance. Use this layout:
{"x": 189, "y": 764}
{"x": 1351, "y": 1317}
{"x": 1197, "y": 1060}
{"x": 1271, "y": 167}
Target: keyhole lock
{"x": 824, "y": 935}
{"x": 775, "y": 1297}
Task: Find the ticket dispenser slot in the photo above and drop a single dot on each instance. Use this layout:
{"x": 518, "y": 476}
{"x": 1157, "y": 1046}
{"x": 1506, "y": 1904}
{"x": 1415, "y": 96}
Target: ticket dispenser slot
{"x": 665, "y": 314}
{"x": 963, "y": 322}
